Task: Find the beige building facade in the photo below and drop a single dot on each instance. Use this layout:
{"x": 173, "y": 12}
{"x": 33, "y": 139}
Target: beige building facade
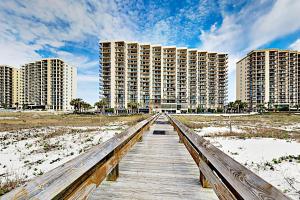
{"x": 269, "y": 77}
{"x": 49, "y": 84}
{"x": 161, "y": 78}
{"x": 45, "y": 84}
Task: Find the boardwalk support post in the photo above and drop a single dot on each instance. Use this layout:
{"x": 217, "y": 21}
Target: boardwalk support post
{"x": 180, "y": 140}
{"x": 140, "y": 139}
{"x": 114, "y": 174}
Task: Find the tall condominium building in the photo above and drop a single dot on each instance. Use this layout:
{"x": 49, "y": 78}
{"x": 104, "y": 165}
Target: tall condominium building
{"x": 6, "y": 86}
{"x": 269, "y": 77}
{"x": 161, "y": 78}
{"x": 49, "y": 84}
{"x": 9, "y": 86}
{"x": 45, "y": 84}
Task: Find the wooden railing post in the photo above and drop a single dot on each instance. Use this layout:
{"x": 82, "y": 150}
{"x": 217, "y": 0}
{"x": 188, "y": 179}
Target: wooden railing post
{"x": 114, "y": 174}
{"x": 203, "y": 180}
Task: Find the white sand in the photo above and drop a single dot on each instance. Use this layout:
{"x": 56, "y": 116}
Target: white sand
{"x": 26, "y": 158}
{"x": 255, "y": 152}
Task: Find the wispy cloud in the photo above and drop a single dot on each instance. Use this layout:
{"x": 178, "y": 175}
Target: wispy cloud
{"x": 281, "y": 20}
{"x": 295, "y": 45}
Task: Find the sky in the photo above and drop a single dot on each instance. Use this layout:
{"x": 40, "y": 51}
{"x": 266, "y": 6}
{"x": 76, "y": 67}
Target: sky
{"x": 72, "y": 29}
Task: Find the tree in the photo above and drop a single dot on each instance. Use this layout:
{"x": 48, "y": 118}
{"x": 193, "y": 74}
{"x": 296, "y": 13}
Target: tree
{"x": 240, "y": 106}
{"x": 133, "y": 106}
{"x": 237, "y": 105}
{"x": 77, "y": 103}
{"x": 231, "y": 106}
{"x": 17, "y": 105}
{"x": 85, "y": 106}
{"x": 260, "y": 108}
{"x": 101, "y": 104}
{"x": 130, "y": 105}
{"x": 244, "y": 106}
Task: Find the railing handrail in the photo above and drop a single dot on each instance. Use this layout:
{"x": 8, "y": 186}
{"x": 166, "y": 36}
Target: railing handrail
{"x": 80, "y": 175}
{"x": 228, "y": 178}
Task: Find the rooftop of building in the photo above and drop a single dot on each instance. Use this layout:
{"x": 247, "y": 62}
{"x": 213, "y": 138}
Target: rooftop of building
{"x": 159, "y": 45}
{"x": 268, "y": 49}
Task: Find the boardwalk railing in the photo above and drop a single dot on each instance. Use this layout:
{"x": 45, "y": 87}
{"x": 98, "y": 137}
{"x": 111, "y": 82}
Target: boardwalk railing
{"x": 78, "y": 177}
{"x": 228, "y": 178}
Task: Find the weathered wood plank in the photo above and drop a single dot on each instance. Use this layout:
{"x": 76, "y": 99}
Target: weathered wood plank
{"x": 157, "y": 168}
{"x": 242, "y": 182}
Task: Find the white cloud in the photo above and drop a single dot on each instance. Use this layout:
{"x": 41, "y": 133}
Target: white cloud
{"x": 295, "y": 45}
{"x": 223, "y": 38}
{"x": 56, "y": 23}
{"x": 253, "y": 26}
{"x": 16, "y": 53}
{"x": 78, "y": 61}
{"x": 281, "y": 20}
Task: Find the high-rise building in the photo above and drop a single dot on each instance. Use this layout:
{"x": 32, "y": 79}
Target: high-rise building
{"x": 49, "y": 84}
{"x": 17, "y": 88}
{"x": 161, "y": 78}
{"x": 6, "y": 86}
{"x": 241, "y": 80}
{"x": 44, "y": 84}
{"x": 269, "y": 77}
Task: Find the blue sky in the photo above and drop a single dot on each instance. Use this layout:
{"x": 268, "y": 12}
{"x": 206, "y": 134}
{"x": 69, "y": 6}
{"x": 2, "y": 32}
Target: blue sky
{"x": 71, "y": 30}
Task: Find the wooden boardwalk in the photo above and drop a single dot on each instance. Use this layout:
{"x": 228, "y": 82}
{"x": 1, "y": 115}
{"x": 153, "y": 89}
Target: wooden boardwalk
{"x": 158, "y": 167}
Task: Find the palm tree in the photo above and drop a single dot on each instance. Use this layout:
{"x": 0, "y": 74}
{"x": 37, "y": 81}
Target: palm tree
{"x": 77, "y": 103}
{"x": 133, "y": 106}
{"x": 17, "y": 105}
{"x": 231, "y": 106}
{"x": 261, "y": 108}
{"x": 101, "y": 104}
{"x": 130, "y": 105}
{"x": 240, "y": 106}
{"x": 85, "y": 106}
{"x": 244, "y": 105}
{"x": 237, "y": 104}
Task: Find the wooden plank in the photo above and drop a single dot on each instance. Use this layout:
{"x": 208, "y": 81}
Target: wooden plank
{"x": 88, "y": 168}
{"x": 242, "y": 182}
{"x": 157, "y": 168}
